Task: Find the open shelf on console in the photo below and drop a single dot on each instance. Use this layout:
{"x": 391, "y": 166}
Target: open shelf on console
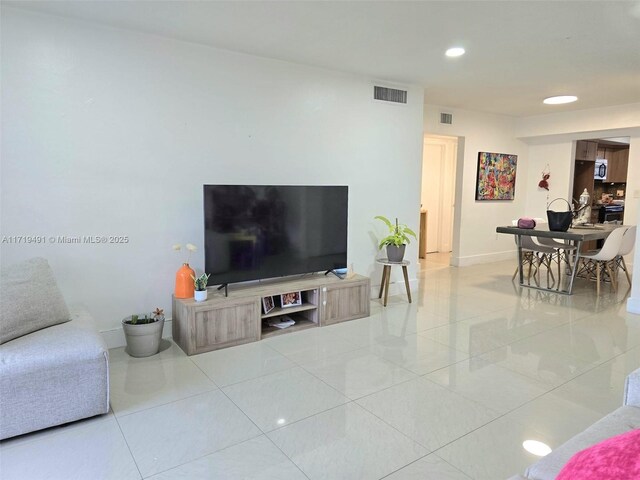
{"x": 289, "y": 310}
{"x": 305, "y": 316}
{"x": 300, "y": 325}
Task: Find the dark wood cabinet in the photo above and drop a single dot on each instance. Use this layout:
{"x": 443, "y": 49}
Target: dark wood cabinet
{"x": 617, "y": 165}
{"x": 583, "y": 177}
{"x": 586, "y": 150}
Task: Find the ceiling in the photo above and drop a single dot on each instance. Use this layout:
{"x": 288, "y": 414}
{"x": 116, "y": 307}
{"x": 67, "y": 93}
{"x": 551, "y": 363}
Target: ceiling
{"x": 518, "y": 52}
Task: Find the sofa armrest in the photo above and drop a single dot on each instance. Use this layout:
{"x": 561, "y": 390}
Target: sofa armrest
{"x": 632, "y": 389}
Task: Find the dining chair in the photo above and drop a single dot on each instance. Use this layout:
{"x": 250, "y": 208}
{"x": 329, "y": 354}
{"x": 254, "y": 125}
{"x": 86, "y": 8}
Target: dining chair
{"x": 628, "y": 242}
{"x": 543, "y": 255}
{"x": 605, "y": 258}
{"x": 564, "y": 251}
{"x": 535, "y": 255}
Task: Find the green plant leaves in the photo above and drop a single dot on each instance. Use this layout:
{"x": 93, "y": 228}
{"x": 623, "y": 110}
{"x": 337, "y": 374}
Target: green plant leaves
{"x": 399, "y": 233}
{"x": 385, "y": 220}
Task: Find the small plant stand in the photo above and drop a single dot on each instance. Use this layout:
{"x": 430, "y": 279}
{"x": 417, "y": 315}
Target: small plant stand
{"x": 386, "y": 275}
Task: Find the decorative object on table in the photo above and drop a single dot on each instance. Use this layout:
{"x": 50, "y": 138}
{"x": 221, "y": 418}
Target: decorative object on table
{"x": 544, "y": 183}
{"x": 526, "y": 223}
{"x": 496, "y": 176}
{"x": 583, "y": 214}
{"x": 200, "y": 285}
{"x": 290, "y": 299}
{"x": 184, "y": 282}
{"x": 267, "y": 304}
{"x": 143, "y": 333}
{"x": 398, "y": 240}
{"x": 559, "y": 221}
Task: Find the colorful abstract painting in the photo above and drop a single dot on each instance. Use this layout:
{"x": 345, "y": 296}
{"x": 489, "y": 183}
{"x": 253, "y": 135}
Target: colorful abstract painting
{"x": 496, "y": 176}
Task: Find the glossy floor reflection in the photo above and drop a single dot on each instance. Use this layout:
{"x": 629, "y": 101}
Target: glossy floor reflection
{"x": 445, "y": 388}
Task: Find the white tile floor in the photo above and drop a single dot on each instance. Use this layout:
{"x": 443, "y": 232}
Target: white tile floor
{"x": 445, "y": 388}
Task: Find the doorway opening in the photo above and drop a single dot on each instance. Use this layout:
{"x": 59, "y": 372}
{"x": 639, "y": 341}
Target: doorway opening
{"x": 437, "y": 198}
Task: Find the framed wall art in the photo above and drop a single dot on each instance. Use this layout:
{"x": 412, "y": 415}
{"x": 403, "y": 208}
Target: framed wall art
{"x": 496, "y": 178}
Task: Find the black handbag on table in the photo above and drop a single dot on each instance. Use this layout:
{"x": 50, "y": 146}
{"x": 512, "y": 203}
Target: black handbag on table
{"x": 559, "y": 221}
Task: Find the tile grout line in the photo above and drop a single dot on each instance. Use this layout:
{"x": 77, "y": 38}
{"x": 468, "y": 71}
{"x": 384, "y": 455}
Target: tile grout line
{"x": 124, "y": 437}
{"x": 262, "y": 432}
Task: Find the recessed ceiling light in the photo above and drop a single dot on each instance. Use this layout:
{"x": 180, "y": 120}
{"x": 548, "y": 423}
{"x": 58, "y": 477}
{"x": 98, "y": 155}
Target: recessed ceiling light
{"x": 454, "y": 52}
{"x": 537, "y": 448}
{"x": 560, "y": 99}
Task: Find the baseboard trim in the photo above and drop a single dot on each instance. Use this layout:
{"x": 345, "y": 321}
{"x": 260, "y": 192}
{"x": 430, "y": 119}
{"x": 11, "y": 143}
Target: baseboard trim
{"x": 483, "y": 258}
{"x": 114, "y": 338}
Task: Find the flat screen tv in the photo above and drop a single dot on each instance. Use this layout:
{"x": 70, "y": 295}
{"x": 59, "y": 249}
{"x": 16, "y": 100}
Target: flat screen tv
{"x": 265, "y": 231}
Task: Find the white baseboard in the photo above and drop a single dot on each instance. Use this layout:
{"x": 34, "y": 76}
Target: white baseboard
{"x": 483, "y": 258}
{"x": 114, "y": 338}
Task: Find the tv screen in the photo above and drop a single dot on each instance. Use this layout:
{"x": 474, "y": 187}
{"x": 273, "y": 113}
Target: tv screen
{"x": 265, "y": 231}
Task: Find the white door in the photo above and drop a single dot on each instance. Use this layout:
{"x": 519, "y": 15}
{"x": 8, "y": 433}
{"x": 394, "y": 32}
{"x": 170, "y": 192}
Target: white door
{"x": 438, "y": 190}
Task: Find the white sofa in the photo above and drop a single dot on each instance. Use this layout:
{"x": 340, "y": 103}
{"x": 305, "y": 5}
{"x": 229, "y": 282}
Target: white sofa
{"x": 622, "y": 420}
{"x": 54, "y": 365}
{"x": 53, "y": 376}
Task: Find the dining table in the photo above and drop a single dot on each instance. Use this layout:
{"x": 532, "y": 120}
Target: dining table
{"x": 576, "y": 235}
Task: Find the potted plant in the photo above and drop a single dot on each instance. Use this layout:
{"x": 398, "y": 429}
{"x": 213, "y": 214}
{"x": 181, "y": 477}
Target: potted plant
{"x": 200, "y": 285}
{"x": 398, "y": 239}
{"x": 143, "y": 333}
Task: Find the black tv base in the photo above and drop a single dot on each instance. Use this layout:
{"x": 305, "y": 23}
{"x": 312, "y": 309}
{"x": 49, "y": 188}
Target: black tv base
{"x": 226, "y": 289}
{"x": 341, "y": 277}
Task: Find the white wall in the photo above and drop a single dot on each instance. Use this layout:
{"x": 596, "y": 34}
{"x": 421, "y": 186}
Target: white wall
{"x": 558, "y": 156}
{"x": 112, "y": 132}
{"x": 475, "y": 240}
{"x": 633, "y": 302}
{"x": 581, "y": 124}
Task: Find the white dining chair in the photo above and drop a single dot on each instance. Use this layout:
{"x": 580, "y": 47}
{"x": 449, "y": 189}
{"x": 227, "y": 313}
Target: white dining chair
{"x": 605, "y": 258}
{"x": 628, "y": 242}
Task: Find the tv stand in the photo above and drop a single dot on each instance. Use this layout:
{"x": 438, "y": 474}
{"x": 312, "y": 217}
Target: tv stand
{"x": 341, "y": 277}
{"x": 237, "y": 317}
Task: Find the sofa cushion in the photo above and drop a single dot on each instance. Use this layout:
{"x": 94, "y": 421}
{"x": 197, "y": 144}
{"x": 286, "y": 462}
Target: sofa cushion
{"x": 613, "y": 459}
{"x": 53, "y": 376}
{"x": 31, "y": 299}
{"x": 619, "y": 421}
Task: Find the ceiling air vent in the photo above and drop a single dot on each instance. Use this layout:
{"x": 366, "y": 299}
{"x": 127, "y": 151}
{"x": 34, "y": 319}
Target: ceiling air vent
{"x": 446, "y": 118}
{"x": 390, "y": 94}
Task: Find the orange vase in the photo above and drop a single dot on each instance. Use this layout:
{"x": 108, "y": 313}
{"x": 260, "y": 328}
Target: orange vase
{"x": 184, "y": 282}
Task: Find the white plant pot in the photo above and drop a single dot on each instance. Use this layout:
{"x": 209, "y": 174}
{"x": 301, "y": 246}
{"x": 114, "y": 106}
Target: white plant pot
{"x": 143, "y": 340}
{"x": 200, "y": 295}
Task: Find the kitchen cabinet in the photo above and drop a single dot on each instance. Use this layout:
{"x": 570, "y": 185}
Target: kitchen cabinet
{"x": 586, "y": 150}
{"x": 583, "y": 177}
{"x": 617, "y": 166}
